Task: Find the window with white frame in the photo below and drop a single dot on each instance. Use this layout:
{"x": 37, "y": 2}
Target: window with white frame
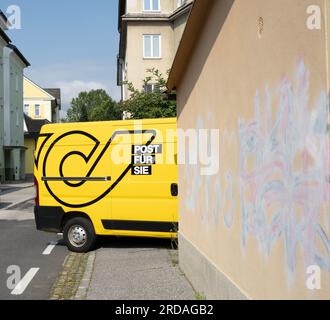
{"x": 152, "y": 46}
{"x": 37, "y": 110}
{"x": 26, "y": 109}
{"x": 151, "y": 87}
{"x": 151, "y": 5}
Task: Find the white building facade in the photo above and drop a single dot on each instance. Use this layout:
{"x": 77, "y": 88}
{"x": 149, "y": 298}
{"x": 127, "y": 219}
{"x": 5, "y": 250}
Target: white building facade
{"x": 12, "y": 65}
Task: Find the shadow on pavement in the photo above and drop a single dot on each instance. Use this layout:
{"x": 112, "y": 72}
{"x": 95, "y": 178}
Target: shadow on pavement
{"x": 4, "y": 205}
{"x": 4, "y": 191}
{"x": 107, "y": 242}
{"x": 132, "y": 242}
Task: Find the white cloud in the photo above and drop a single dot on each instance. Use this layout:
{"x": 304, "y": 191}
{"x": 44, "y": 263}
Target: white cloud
{"x": 72, "y": 78}
{"x": 71, "y": 89}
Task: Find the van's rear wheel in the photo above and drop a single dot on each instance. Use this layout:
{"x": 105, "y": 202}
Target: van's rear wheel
{"x": 79, "y": 235}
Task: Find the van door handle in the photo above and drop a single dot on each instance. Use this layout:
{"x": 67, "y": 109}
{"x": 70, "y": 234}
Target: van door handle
{"x": 174, "y": 189}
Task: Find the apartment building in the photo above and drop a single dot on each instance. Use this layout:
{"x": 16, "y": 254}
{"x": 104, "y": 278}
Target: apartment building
{"x": 41, "y": 103}
{"x": 12, "y": 65}
{"x": 41, "y": 106}
{"x": 150, "y": 33}
{"x": 4, "y": 41}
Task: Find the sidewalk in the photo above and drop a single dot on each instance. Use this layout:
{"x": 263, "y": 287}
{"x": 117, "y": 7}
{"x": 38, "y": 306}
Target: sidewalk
{"x": 13, "y": 194}
{"x": 138, "y": 269}
{"x": 19, "y": 184}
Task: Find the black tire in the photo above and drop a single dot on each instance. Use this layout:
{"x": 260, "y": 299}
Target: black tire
{"x": 85, "y": 231}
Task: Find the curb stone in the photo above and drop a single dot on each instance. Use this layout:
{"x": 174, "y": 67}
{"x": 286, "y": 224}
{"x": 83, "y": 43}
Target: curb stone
{"x": 69, "y": 279}
{"x": 87, "y": 277}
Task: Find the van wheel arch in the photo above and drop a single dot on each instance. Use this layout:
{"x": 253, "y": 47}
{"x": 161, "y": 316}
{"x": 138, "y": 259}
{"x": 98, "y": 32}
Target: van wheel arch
{"x": 74, "y": 214}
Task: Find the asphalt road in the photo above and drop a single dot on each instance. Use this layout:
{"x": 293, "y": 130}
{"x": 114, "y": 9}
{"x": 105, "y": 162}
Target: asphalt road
{"x": 22, "y": 248}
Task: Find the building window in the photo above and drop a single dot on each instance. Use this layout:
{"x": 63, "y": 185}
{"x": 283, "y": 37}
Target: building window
{"x": 151, "y": 5}
{"x": 151, "y": 87}
{"x": 16, "y": 79}
{"x": 152, "y": 46}
{"x": 17, "y": 117}
{"x": 37, "y": 110}
{"x": 26, "y": 109}
{"x": 181, "y": 3}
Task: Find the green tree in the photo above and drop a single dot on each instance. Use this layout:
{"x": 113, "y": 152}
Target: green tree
{"x": 150, "y": 105}
{"x": 95, "y": 105}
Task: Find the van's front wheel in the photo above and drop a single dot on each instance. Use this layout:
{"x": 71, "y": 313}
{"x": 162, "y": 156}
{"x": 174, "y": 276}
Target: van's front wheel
{"x": 79, "y": 235}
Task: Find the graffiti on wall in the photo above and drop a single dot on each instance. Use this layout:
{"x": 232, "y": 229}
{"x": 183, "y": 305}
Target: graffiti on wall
{"x": 214, "y": 195}
{"x": 284, "y": 173}
{"x": 284, "y": 192}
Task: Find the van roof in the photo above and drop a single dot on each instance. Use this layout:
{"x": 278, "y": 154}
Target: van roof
{"x": 117, "y": 123}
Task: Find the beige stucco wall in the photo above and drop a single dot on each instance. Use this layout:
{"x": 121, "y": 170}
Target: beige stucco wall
{"x": 264, "y": 218}
{"x": 326, "y": 16}
{"x": 136, "y": 64}
{"x": 179, "y": 25}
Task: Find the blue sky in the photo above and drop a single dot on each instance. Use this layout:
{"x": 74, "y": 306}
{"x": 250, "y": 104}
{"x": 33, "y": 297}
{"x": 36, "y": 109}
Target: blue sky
{"x": 70, "y": 44}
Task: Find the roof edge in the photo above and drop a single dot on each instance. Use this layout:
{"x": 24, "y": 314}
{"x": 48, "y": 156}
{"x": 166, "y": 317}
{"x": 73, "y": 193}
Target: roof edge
{"x": 40, "y": 88}
{"x": 198, "y": 14}
{"x": 121, "y": 11}
{"x": 19, "y": 54}
{"x": 169, "y": 17}
{"x": 3, "y": 16}
{"x": 4, "y": 36}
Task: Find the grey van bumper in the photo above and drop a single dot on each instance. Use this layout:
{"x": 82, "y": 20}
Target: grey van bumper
{"x": 49, "y": 219}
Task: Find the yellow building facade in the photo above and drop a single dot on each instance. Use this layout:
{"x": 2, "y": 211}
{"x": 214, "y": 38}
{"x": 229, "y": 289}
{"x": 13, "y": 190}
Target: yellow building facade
{"x": 30, "y": 144}
{"x": 41, "y": 106}
{"x": 41, "y": 103}
{"x": 32, "y": 128}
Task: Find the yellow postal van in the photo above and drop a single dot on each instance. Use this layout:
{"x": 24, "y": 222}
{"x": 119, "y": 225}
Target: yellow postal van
{"x": 114, "y": 178}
